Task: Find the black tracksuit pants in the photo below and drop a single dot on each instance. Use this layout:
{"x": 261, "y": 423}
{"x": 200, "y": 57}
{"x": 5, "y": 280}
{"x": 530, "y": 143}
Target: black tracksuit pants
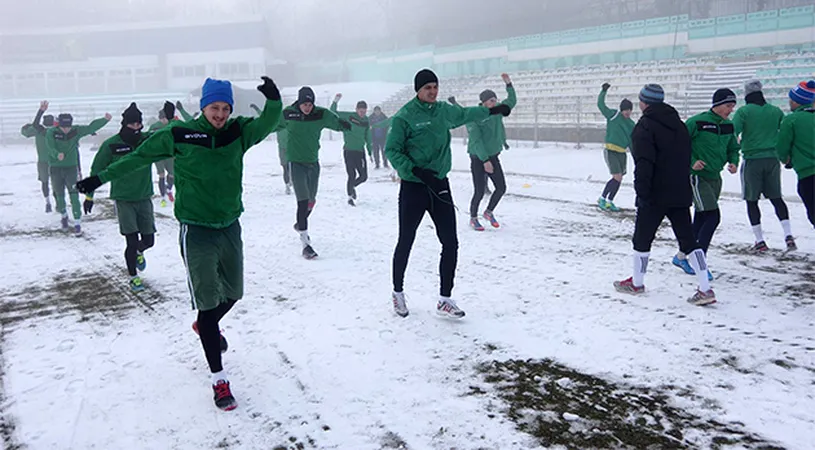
{"x": 480, "y": 183}
{"x": 650, "y": 218}
{"x": 414, "y": 200}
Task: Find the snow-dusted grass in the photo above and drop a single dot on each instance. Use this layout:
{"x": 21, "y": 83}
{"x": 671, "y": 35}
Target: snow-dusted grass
{"x": 318, "y": 359}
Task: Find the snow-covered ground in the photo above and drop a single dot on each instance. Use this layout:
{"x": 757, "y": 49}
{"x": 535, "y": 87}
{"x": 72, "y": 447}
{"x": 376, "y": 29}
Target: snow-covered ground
{"x": 317, "y": 359}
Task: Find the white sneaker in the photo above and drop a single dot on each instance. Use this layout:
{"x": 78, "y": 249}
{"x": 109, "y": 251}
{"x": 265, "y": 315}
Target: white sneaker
{"x": 399, "y": 304}
{"x": 288, "y": 189}
{"x": 448, "y": 308}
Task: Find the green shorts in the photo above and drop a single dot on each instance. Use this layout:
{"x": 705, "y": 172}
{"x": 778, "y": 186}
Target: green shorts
{"x": 214, "y": 261}
{"x": 135, "y": 217}
{"x": 165, "y": 166}
{"x": 761, "y": 176}
{"x": 43, "y": 173}
{"x": 305, "y": 178}
{"x": 615, "y": 161}
{"x": 706, "y": 192}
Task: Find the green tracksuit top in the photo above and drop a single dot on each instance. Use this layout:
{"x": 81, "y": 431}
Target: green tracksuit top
{"x": 134, "y": 186}
{"x": 67, "y": 144}
{"x": 184, "y": 114}
{"x": 758, "y": 126}
{"x": 208, "y": 164}
{"x": 713, "y": 140}
{"x": 358, "y": 138}
{"x": 303, "y": 132}
{"x": 796, "y": 141}
{"x": 488, "y": 136}
{"x": 37, "y": 131}
{"x": 618, "y": 127}
{"x": 420, "y": 136}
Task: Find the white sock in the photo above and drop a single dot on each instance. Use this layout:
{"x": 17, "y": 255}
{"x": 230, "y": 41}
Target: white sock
{"x": 758, "y": 232}
{"x": 445, "y": 299}
{"x": 304, "y": 239}
{"x": 681, "y": 255}
{"x": 640, "y": 267}
{"x": 785, "y": 224}
{"x": 218, "y": 376}
{"x": 48, "y": 201}
{"x": 698, "y": 261}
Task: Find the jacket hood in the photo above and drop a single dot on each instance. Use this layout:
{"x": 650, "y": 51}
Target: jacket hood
{"x": 756, "y": 98}
{"x": 664, "y": 114}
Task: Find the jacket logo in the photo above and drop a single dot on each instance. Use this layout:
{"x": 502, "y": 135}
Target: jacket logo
{"x": 122, "y": 149}
{"x": 196, "y": 136}
{"x": 422, "y": 124}
{"x": 60, "y": 136}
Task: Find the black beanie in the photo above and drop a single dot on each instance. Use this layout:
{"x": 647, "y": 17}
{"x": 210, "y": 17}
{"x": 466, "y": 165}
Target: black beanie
{"x": 161, "y": 114}
{"x": 362, "y": 104}
{"x": 131, "y": 115}
{"x": 486, "y": 95}
{"x": 65, "y": 120}
{"x": 48, "y": 120}
{"x": 722, "y": 96}
{"x": 305, "y": 95}
{"x": 626, "y": 105}
{"x": 424, "y": 77}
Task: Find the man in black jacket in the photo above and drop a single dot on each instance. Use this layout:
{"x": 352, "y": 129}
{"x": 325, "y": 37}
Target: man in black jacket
{"x": 661, "y": 147}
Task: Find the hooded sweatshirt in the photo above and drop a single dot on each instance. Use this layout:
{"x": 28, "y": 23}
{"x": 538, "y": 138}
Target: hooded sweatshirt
{"x": 661, "y": 147}
{"x": 358, "y": 138}
{"x": 758, "y": 122}
{"x": 303, "y": 132}
{"x": 618, "y": 127}
{"x": 67, "y": 144}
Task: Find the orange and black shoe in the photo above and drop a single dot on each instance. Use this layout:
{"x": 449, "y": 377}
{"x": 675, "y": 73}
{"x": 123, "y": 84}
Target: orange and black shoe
{"x": 223, "y": 396}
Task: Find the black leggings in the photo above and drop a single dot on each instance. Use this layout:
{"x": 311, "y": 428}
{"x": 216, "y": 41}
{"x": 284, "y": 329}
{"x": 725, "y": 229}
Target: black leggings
{"x": 355, "y": 163}
{"x": 704, "y": 225}
{"x": 806, "y": 190}
{"x": 135, "y": 246}
{"x": 754, "y": 212}
{"x": 210, "y": 333}
{"x": 414, "y": 200}
{"x": 304, "y": 208}
{"x": 480, "y": 183}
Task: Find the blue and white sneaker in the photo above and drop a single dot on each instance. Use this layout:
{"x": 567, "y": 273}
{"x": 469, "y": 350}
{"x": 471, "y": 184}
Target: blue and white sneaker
{"x": 685, "y": 265}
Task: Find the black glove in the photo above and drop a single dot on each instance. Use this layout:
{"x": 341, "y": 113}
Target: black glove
{"x": 169, "y": 110}
{"x": 452, "y": 100}
{"x": 788, "y": 165}
{"x": 89, "y": 184}
{"x": 269, "y": 89}
{"x": 606, "y": 86}
{"x": 87, "y": 205}
{"x": 345, "y": 125}
{"x": 501, "y": 109}
{"x": 506, "y": 146}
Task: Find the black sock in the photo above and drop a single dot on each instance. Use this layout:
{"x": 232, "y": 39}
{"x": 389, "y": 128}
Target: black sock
{"x": 781, "y": 209}
{"x": 210, "y": 338}
{"x": 753, "y": 213}
{"x": 613, "y": 189}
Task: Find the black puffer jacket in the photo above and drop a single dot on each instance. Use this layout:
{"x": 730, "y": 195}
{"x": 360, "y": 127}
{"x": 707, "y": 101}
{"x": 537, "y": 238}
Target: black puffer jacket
{"x": 661, "y": 148}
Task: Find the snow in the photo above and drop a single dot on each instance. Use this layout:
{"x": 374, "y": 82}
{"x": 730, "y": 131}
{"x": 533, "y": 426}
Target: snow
{"x": 317, "y": 355}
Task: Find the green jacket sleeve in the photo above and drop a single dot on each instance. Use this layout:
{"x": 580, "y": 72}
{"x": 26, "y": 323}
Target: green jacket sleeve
{"x": 256, "y": 129}
{"x": 101, "y": 161}
{"x": 92, "y": 127}
{"x": 608, "y": 113}
{"x": 738, "y": 121}
{"x": 28, "y": 130}
{"x": 458, "y": 115}
{"x": 255, "y": 109}
{"x": 332, "y": 121}
{"x": 184, "y": 114}
{"x": 733, "y": 148}
{"x": 476, "y": 141}
{"x": 785, "y": 137}
{"x": 158, "y": 147}
{"x": 344, "y": 115}
{"x": 395, "y": 147}
{"x": 51, "y": 143}
{"x": 511, "y": 100}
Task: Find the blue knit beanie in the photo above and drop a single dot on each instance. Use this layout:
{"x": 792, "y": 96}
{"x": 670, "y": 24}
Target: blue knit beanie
{"x": 216, "y": 91}
{"x": 803, "y": 93}
{"x": 652, "y": 94}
